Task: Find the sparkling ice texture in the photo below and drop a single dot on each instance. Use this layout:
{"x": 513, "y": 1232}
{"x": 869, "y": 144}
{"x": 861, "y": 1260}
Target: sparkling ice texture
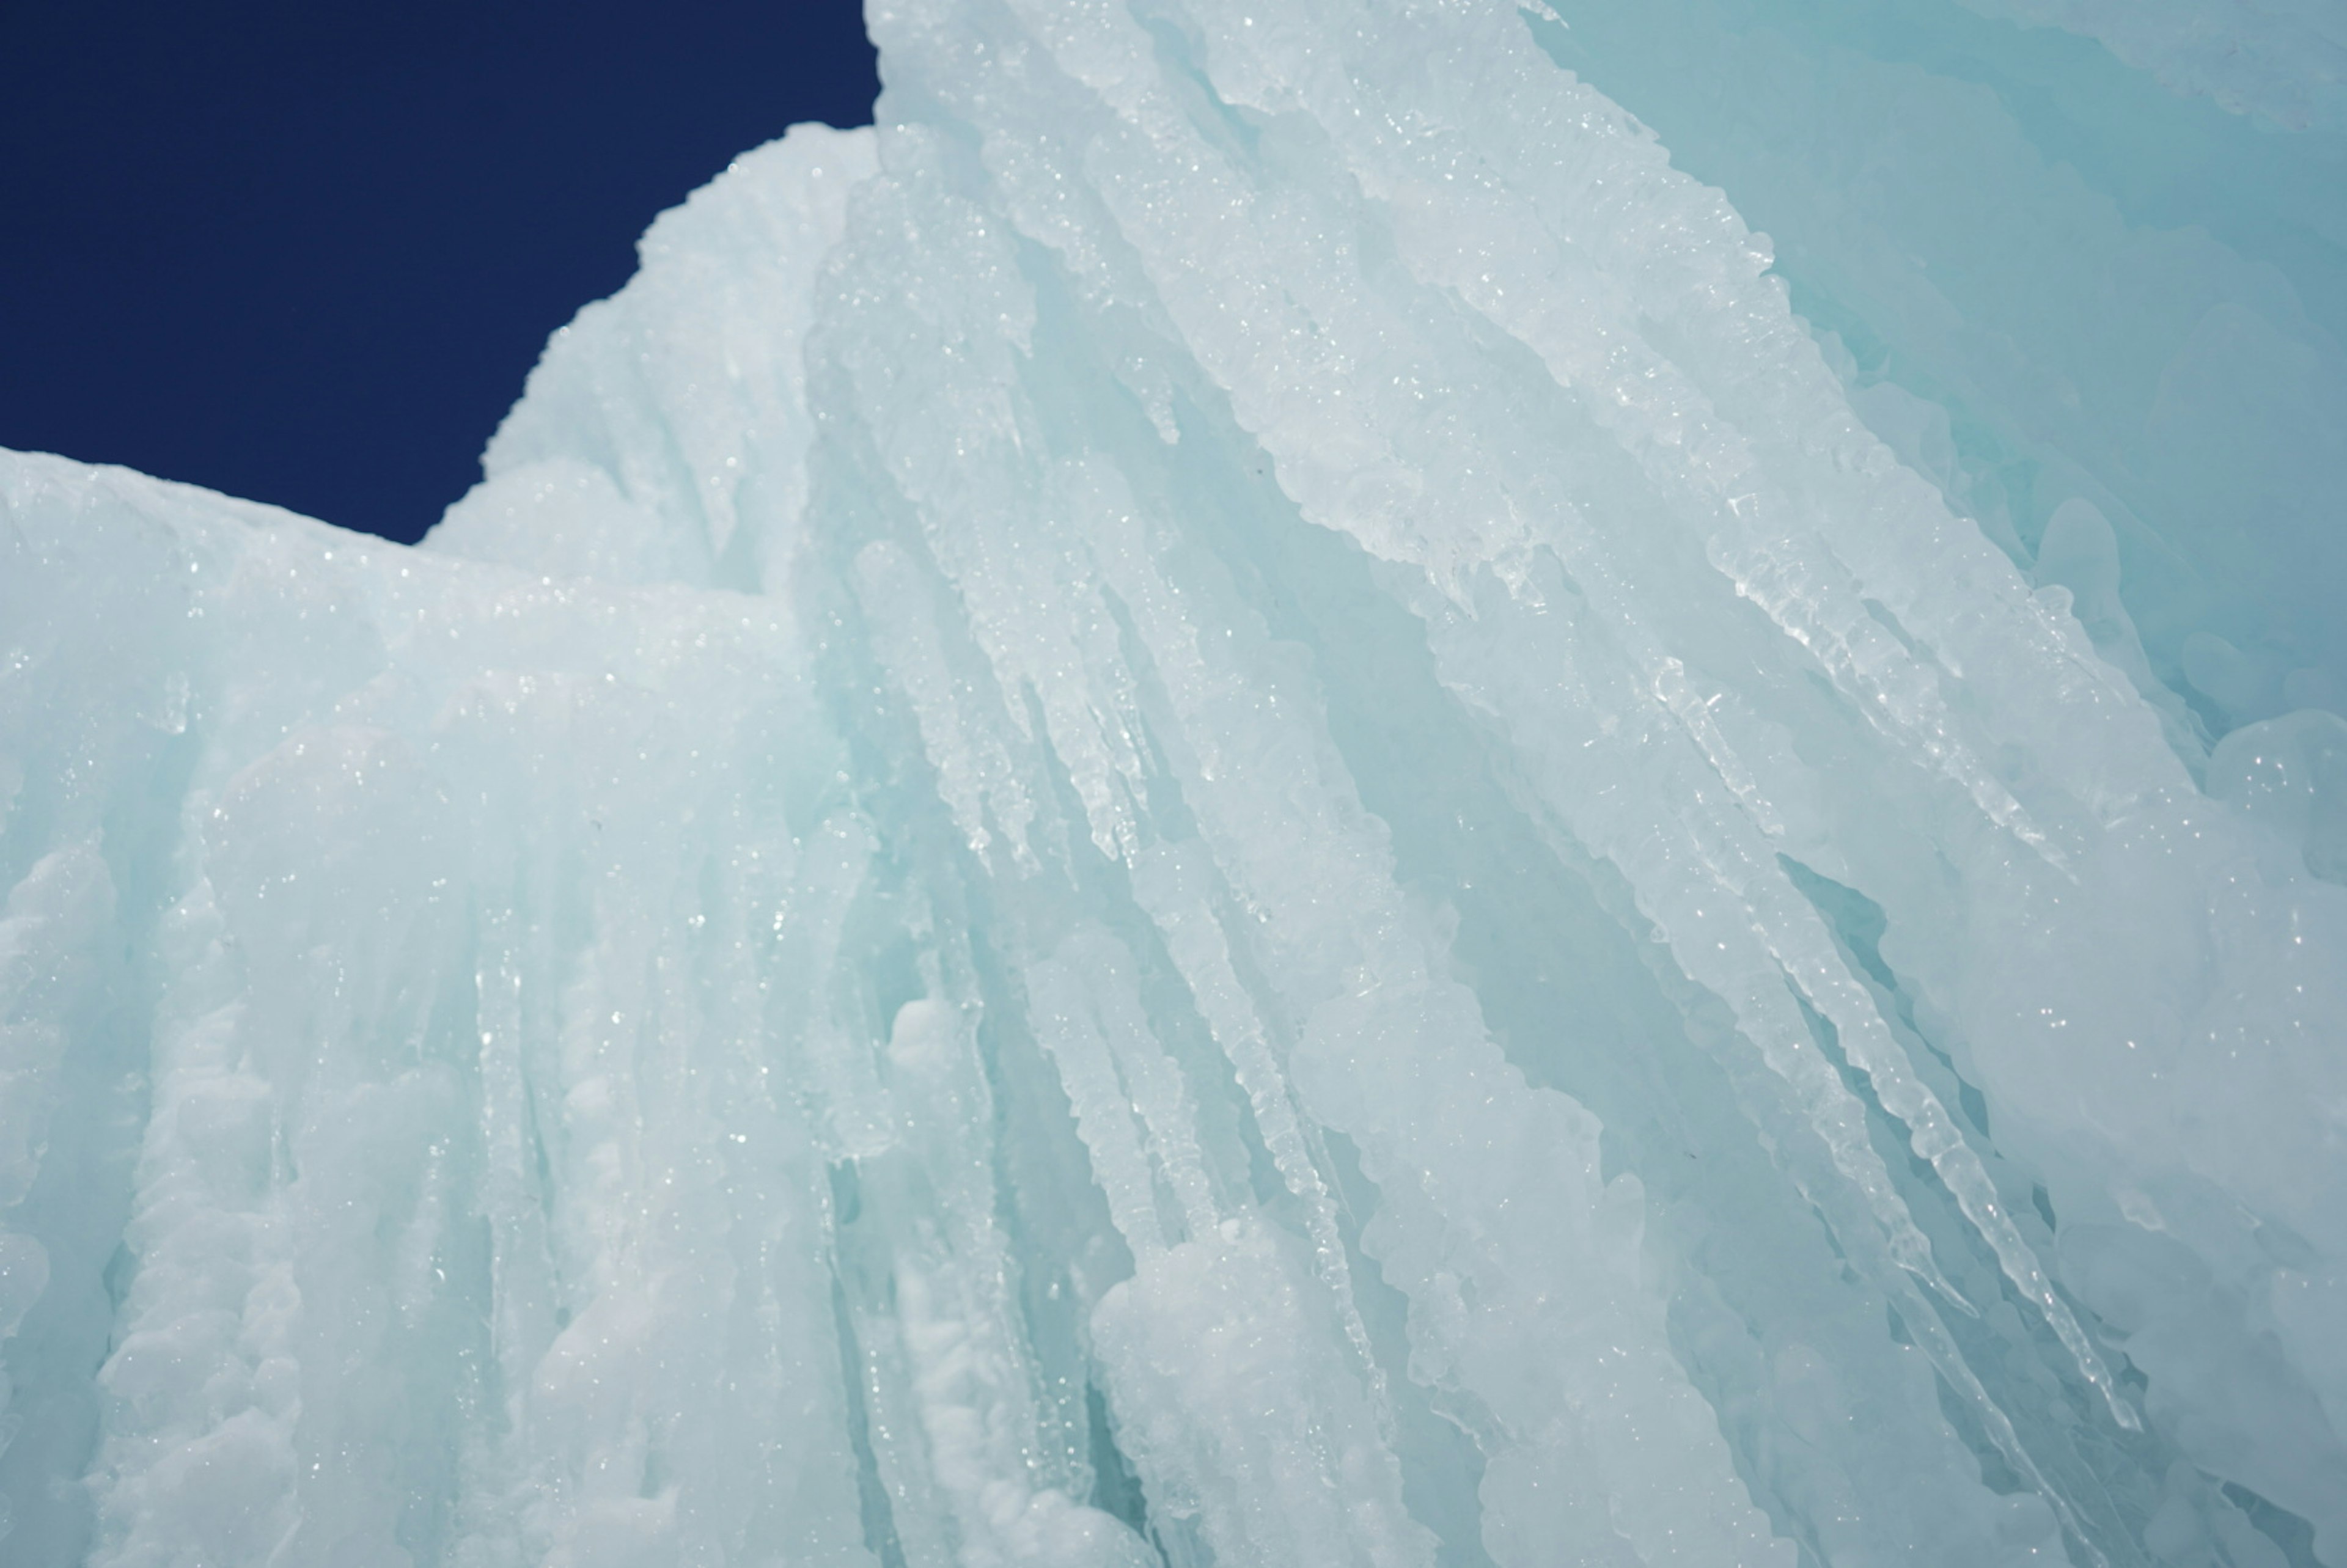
{"x": 1309, "y": 782}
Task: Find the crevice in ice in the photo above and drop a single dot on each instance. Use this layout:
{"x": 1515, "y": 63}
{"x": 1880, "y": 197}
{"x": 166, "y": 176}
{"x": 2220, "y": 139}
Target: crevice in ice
{"x": 1857, "y": 920}
{"x": 1177, "y": 52}
{"x": 1116, "y": 1489}
{"x": 1859, "y": 924}
{"x": 871, "y": 1492}
{"x": 2292, "y": 1536}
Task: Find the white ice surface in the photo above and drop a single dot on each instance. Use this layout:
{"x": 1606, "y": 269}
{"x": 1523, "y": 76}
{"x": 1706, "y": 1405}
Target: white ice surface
{"x": 1221, "y": 807}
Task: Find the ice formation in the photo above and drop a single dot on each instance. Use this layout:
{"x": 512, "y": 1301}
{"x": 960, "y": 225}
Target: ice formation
{"x": 1247, "y": 800}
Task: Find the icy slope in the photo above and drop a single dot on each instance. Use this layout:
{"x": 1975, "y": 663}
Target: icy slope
{"x": 1220, "y": 806}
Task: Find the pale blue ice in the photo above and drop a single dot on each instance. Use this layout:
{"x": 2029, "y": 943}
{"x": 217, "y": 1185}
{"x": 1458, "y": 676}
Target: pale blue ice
{"x": 1306, "y": 782}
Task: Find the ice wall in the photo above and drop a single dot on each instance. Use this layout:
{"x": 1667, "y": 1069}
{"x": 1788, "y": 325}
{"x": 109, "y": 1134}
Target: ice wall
{"x": 1221, "y": 807}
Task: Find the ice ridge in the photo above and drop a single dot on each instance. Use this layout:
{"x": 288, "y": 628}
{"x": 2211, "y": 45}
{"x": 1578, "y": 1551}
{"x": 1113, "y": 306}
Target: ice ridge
{"x": 1300, "y": 784}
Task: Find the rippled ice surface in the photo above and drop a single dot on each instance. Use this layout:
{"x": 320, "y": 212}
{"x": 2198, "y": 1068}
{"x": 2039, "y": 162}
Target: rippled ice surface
{"x": 1305, "y": 783}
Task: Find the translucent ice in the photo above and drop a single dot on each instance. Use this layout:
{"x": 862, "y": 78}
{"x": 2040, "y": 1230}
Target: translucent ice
{"x": 1248, "y": 799}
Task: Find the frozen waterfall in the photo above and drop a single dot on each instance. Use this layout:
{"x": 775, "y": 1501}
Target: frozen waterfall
{"x": 1385, "y": 782}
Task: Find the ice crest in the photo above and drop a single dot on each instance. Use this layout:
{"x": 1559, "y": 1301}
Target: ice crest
{"x": 1248, "y": 798}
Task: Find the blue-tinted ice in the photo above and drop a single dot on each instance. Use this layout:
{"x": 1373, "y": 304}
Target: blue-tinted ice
{"x": 1303, "y": 783}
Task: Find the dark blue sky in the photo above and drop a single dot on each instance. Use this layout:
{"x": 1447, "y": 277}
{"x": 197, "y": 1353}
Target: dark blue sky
{"x": 306, "y": 251}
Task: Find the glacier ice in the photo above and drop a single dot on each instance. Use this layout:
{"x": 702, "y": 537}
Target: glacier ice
{"x": 1303, "y": 782}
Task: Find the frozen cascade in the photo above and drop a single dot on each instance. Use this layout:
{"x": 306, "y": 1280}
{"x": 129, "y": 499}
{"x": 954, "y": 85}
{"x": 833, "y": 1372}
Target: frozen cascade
{"x": 1401, "y": 783}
